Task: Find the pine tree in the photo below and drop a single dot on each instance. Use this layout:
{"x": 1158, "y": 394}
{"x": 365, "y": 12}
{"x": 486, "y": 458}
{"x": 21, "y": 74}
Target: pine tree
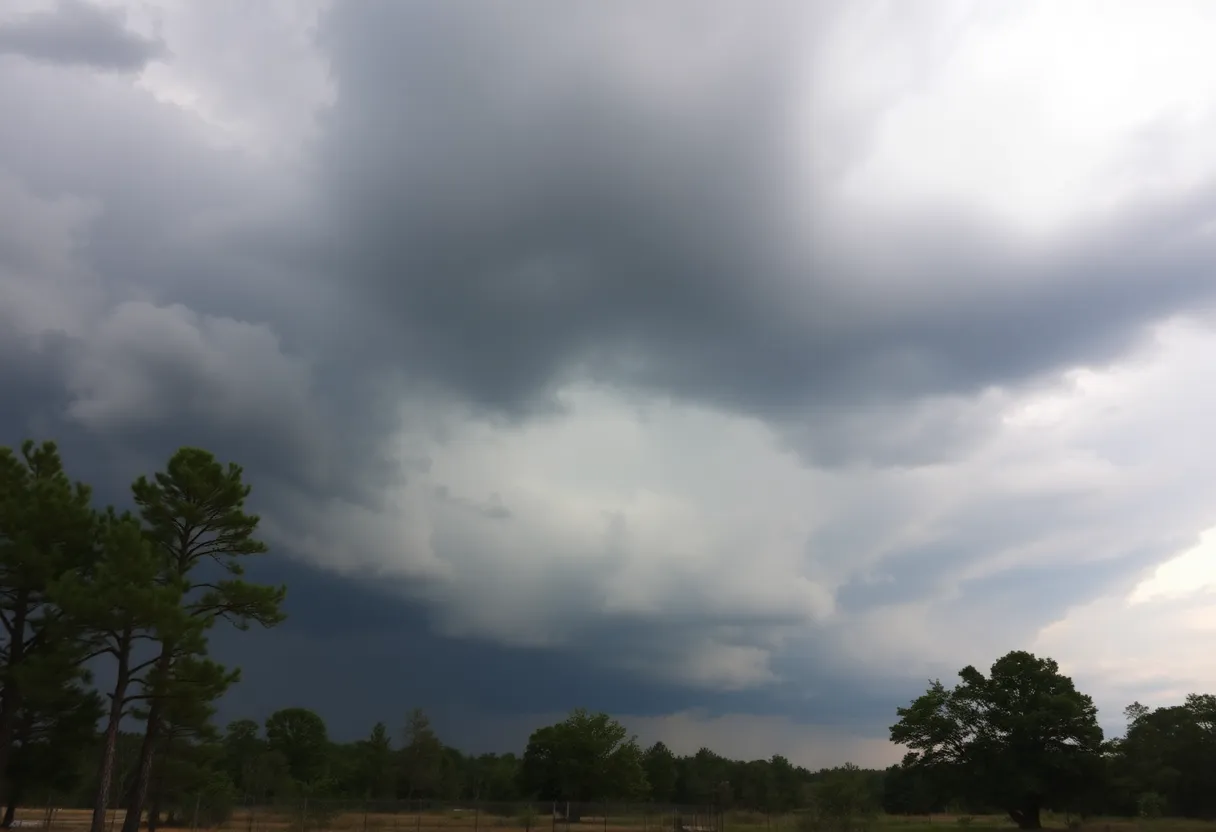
{"x": 194, "y": 515}
{"x": 120, "y": 602}
{"x": 47, "y": 528}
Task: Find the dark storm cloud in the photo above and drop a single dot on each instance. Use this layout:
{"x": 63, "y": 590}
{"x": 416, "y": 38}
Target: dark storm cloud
{"x": 31, "y": 378}
{"x": 544, "y": 209}
{"x": 77, "y": 33}
{"x": 547, "y": 208}
{"x": 359, "y": 653}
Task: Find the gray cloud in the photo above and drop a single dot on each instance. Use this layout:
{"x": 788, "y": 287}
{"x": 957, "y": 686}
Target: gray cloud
{"x": 78, "y": 33}
{"x": 636, "y": 225}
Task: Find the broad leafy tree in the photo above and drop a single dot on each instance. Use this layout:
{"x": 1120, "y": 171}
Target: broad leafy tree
{"x": 1023, "y": 738}
{"x": 492, "y": 777}
{"x": 1167, "y": 761}
{"x": 586, "y": 757}
{"x": 301, "y": 737}
{"x": 908, "y": 791}
{"x": 843, "y": 798}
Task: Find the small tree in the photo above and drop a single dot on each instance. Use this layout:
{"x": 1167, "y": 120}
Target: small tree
{"x": 1150, "y": 805}
{"x": 842, "y": 801}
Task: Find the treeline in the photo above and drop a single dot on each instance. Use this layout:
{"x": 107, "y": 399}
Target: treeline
{"x": 129, "y": 598}
{"x": 1166, "y": 764}
{"x": 290, "y": 759}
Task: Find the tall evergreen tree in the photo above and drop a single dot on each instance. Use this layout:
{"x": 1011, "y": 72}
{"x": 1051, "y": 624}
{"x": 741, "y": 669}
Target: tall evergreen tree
{"x": 51, "y": 733}
{"x": 421, "y": 756}
{"x": 47, "y": 527}
{"x": 188, "y": 748}
{"x": 121, "y": 602}
{"x": 194, "y": 514}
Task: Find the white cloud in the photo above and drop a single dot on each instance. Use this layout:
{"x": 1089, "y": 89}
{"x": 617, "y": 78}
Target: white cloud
{"x": 1154, "y": 652}
{"x": 264, "y": 93}
{"x": 620, "y": 509}
{"x": 1048, "y": 114}
{"x": 1190, "y": 572}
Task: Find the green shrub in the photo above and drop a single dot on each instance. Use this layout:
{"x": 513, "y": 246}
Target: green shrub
{"x": 528, "y": 817}
{"x": 841, "y": 802}
{"x": 1150, "y": 805}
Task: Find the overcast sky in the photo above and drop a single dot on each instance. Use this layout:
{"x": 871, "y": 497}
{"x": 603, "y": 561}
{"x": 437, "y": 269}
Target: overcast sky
{"x": 731, "y": 367}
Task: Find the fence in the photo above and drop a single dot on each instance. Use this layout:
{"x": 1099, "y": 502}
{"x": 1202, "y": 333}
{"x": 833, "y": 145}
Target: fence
{"x": 321, "y": 815}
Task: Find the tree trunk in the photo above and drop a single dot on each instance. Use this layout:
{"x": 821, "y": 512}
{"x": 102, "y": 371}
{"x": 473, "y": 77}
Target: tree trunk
{"x": 154, "y": 813}
{"x": 10, "y": 693}
{"x": 8, "y": 711}
{"x": 1027, "y": 816}
{"x": 10, "y": 811}
{"x": 147, "y": 750}
{"x": 143, "y": 774}
{"x": 106, "y": 769}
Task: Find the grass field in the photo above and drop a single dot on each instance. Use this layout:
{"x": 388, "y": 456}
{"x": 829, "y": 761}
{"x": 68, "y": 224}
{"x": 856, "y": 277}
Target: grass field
{"x": 284, "y": 820}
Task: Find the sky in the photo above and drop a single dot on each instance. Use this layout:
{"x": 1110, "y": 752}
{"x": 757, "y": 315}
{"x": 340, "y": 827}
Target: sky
{"x": 732, "y": 368}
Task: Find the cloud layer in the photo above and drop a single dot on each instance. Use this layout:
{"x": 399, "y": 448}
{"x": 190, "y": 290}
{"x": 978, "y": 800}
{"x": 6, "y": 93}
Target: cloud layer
{"x": 744, "y": 366}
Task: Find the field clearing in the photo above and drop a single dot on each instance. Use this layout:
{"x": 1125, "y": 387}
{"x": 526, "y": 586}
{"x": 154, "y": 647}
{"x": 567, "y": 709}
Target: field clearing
{"x": 285, "y": 819}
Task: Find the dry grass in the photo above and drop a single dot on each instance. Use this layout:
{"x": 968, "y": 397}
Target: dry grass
{"x": 282, "y": 820}
{"x": 285, "y": 820}
{"x": 940, "y": 823}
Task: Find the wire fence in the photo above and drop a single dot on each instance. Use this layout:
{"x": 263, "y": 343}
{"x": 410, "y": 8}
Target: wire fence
{"x": 319, "y": 815}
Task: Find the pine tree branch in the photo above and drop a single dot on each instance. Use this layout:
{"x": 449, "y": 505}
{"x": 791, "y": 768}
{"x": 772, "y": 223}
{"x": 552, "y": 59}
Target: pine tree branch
{"x": 144, "y": 665}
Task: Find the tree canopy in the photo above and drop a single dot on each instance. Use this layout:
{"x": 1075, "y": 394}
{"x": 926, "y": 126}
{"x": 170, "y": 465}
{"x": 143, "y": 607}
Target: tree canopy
{"x": 1021, "y": 738}
{"x": 586, "y": 757}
